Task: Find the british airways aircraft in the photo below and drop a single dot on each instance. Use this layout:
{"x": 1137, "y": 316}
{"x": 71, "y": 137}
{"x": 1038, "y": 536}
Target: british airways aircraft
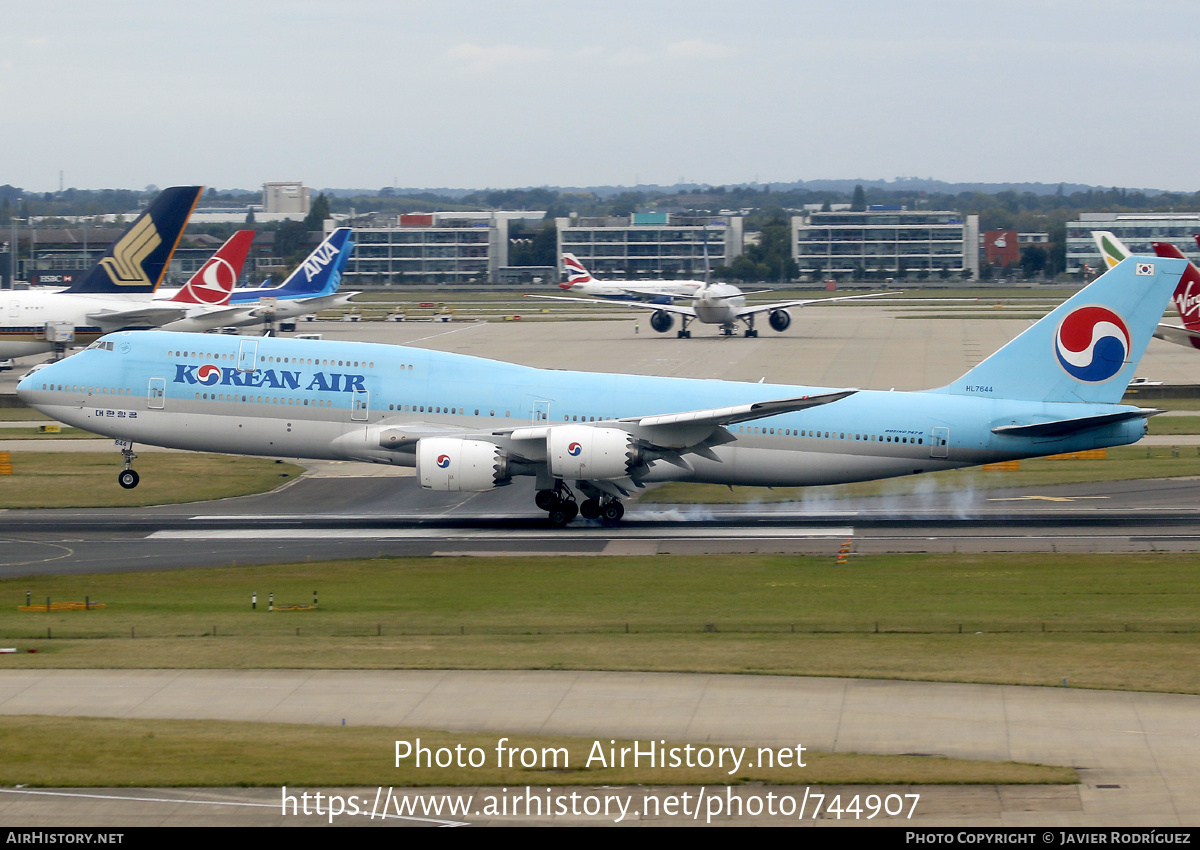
{"x": 469, "y": 424}
{"x": 712, "y": 303}
{"x": 580, "y": 281}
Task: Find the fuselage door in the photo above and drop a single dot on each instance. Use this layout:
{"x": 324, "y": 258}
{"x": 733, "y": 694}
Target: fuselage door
{"x": 156, "y": 395}
{"x": 541, "y": 411}
{"x": 359, "y": 405}
{"x": 248, "y": 355}
{"x": 941, "y": 443}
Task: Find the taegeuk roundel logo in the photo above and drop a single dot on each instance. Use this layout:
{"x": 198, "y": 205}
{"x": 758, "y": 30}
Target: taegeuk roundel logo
{"x": 1092, "y": 343}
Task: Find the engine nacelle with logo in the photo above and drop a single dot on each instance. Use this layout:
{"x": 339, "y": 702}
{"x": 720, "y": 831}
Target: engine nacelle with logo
{"x": 454, "y": 464}
{"x": 591, "y": 454}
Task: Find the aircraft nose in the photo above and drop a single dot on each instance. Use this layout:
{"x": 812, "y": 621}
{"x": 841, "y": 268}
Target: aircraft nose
{"x": 25, "y": 388}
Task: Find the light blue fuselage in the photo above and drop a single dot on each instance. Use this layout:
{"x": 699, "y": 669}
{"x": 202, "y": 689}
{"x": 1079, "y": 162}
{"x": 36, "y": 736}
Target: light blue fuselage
{"x": 349, "y": 401}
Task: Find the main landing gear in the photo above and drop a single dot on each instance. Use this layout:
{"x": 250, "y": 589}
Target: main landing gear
{"x": 127, "y": 477}
{"x": 561, "y": 507}
{"x": 684, "y": 333}
{"x": 750, "y": 331}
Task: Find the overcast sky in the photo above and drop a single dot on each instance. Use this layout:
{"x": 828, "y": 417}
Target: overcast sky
{"x": 373, "y": 93}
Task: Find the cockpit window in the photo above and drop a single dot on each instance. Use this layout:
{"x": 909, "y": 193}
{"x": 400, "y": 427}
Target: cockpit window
{"x": 102, "y": 345}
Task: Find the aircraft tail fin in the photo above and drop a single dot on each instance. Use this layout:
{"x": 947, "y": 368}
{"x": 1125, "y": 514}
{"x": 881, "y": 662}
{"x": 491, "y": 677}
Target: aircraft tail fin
{"x": 1086, "y": 349}
{"x": 1112, "y": 249}
{"x": 136, "y": 262}
{"x": 1187, "y": 294}
{"x": 576, "y": 273}
{"x": 321, "y": 273}
{"x": 214, "y": 281}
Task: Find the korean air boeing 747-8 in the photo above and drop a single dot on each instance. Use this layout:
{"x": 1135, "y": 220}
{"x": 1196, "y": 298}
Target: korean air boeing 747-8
{"x": 471, "y": 424}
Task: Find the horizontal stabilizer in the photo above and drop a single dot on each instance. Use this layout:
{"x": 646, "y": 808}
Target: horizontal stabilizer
{"x": 1063, "y": 427}
{"x": 1177, "y": 335}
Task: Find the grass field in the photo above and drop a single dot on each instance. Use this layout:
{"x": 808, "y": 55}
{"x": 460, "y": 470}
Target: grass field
{"x": 22, "y": 414}
{"x": 33, "y": 433}
{"x": 164, "y": 753}
{"x": 1121, "y": 464}
{"x": 89, "y": 479}
{"x": 1111, "y": 621}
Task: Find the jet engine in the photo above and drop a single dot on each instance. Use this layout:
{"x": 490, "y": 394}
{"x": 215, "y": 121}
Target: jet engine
{"x": 661, "y": 321}
{"x": 453, "y": 463}
{"x": 597, "y": 454}
{"x": 780, "y": 320}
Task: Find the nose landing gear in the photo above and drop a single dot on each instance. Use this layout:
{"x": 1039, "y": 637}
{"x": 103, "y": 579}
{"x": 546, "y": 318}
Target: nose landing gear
{"x": 127, "y": 477}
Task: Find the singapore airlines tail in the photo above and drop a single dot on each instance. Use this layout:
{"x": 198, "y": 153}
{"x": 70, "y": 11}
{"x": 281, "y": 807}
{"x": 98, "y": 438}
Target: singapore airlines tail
{"x": 1086, "y": 350}
{"x": 136, "y": 262}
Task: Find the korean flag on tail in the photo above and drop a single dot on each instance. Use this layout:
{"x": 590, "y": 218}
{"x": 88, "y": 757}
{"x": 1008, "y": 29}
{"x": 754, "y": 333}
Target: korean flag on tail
{"x": 1145, "y": 269}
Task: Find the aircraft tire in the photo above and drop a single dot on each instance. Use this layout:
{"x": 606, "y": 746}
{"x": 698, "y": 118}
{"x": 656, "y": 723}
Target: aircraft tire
{"x": 547, "y": 500}
{"x": 613, "y": 511}
{"x": 560, "y": 516}
{"x": 590, "y": 509}
{"x": 128, "y": 479}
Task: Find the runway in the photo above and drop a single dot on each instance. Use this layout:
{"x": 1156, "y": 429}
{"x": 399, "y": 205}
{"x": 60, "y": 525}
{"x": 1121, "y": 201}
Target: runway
{"x": 337, "y": 515}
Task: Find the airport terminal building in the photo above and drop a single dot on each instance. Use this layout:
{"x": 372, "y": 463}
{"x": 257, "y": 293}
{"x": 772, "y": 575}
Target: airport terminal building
{"x": 1136, "y": 230}
{"x": 883, "y": 240}
{"x": 651, "y": 245}
{"x": 438, "y": 248}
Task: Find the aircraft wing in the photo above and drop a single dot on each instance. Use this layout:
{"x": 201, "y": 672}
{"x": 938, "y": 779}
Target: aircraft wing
{"x": 751, "y": 309}
{"x": 672, "y": 430}
{"x": 1178, "y": 335}
{"x": 1063, "y": 427}
{"x": 636, "y": 305}
{"x": 303, "y": 306}
{"x": 150, "y": 314}
{"x": 741, "y": 412}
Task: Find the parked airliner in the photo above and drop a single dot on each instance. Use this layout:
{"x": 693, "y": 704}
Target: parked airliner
{"x": 470, "y": 424}
{"x": 312, "y": 287}
{"x": 112, "y": 295}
